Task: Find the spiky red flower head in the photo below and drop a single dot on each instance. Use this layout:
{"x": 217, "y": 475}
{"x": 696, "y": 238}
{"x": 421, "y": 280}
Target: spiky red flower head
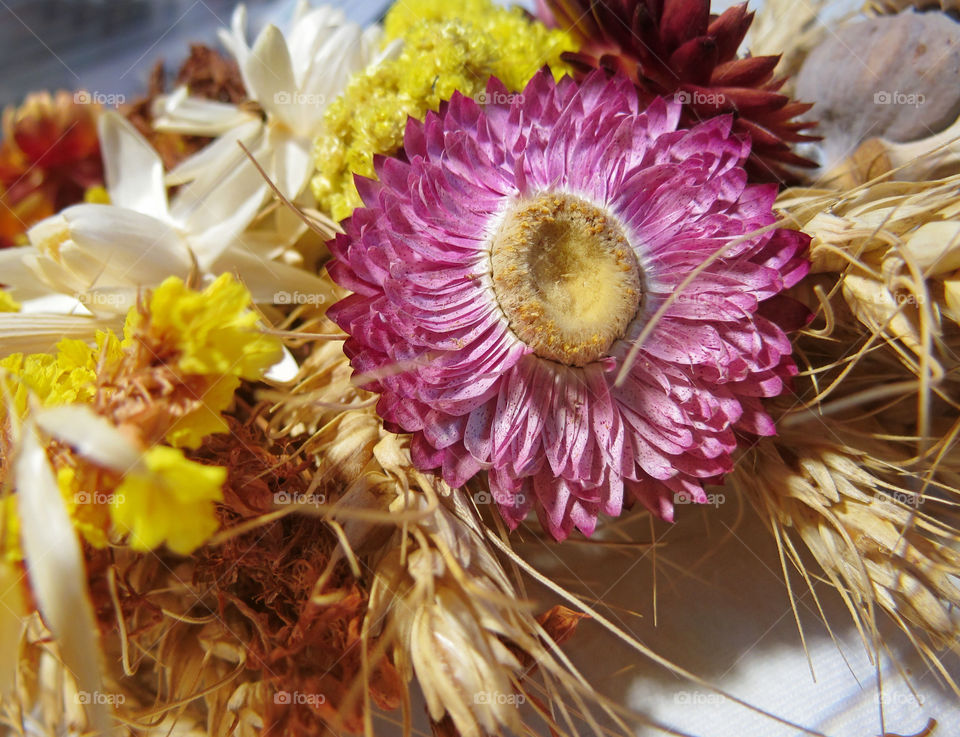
{"x": 504, "y": 267}
{"x": 676, "y": 48}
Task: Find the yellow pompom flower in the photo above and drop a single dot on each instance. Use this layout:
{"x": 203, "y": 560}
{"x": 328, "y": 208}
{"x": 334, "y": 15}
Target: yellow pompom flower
{"x": 64, "y": 378}
{"x": 85, "y": 503}
{"x": 212, "y": 332}
{"x": 211, "y": 340}
{"x": 190, "y": 430}
{"x": 440, "y": 54}
{"x": 181, "y": 359}
{"x": 170, "y": 501}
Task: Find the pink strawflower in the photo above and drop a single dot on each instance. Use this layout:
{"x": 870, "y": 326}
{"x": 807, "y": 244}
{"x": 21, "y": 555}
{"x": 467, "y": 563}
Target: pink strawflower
{"x": 504, "y": 265}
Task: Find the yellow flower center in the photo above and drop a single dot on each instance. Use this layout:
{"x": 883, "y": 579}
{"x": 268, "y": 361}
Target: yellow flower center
{"x": 566, "y": 277}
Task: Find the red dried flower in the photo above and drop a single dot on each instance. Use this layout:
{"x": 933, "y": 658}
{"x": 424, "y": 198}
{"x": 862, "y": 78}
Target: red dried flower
{"x": 676, "y": 48}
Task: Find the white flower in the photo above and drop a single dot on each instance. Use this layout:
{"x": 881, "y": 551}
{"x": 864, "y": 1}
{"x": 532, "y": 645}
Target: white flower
{"x": 85, "y": 265}
{"x": 291, "y": 78}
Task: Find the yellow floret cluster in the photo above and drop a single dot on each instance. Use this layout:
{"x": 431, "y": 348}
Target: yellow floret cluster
{"x": 212, "y": 332}
{"x": 435, "y": 56}
{"x": 189, "y": 344}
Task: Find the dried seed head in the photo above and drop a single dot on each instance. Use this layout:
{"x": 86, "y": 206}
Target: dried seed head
{"x": 454, "y": 614}
{"x": 869, "y": 526}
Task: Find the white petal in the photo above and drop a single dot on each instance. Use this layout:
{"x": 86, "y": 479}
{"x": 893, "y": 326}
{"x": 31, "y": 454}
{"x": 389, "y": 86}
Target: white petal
{"x": 54, "y": 304}
{"x": 283, "y": 371}
{"x": 132, "y": 168}
{"x": 235, "y": 40}
{"x": 20, "y": 279}
{"x": 219, "y": 216}
{"x": 330, "y": 68}
{"x": 272, "y": 281}
{"x": 209, "y": 198}
{"x": 90, "y": 435}
{"x": 292, "y": 163}
{"x": 270, "y": 72}
{"x": 219, "y": 156}
{"x": 302, "y": 8}
{"x": 309, "y": 34}
{"x": 40, "y": 333}
{"x": 58, "y": 276}
{"x": 195, "y": 116}
{"x": 135, "y": 249}
{"x": 57, "y": 575}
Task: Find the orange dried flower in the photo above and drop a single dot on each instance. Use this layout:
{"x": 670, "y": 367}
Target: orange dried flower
{"x": 49, "y": 157}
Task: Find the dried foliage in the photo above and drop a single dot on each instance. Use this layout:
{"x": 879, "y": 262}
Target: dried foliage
{"x": 206, "y": 73}
{"x": 863, "y": 473}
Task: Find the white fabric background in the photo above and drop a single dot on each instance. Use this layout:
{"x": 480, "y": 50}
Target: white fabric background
{"x": 723, "y": 613}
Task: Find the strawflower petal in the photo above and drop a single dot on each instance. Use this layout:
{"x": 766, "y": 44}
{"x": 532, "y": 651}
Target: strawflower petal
{"x": 498, "y": 324}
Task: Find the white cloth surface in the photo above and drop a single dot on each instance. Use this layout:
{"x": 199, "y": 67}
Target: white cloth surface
{"x": 723, "y": 613}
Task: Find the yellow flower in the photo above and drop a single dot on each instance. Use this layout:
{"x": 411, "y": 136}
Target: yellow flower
{"x": 190, "y": 430}
{"x": 86, "y": 504}
{"x": 441, "y": 54}
{"x": 523, "y": 46}
{"x": 64, "y": 378}
{"x": 213, "y": 332}
{"x": 177, "y": 368}
{"x": 8, "y": 303}
{"x": 171, "y": 501}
